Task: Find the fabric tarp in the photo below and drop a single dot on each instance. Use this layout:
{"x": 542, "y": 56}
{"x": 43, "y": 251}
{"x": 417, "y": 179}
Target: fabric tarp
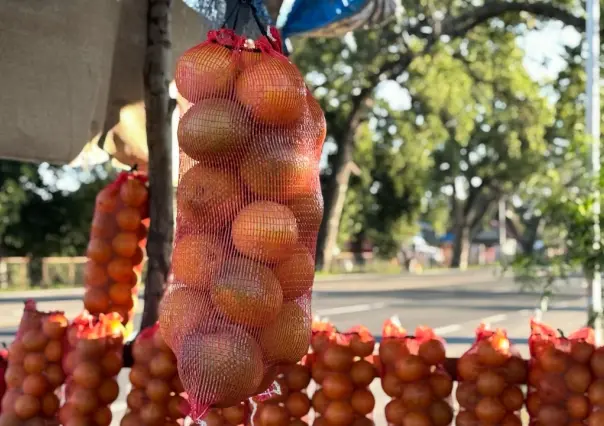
{"x": 71, "y": 69}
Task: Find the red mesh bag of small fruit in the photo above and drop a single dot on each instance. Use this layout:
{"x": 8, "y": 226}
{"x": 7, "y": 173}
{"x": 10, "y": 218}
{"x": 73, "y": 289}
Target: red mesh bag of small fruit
{"x": 95, "y": 360}
{"x": 249, "y": 207}
{"x": 490, "y": 374}
{"x": 116, "y": 248}
{"x": 34, "y": 370}
{"x": 157, "y": 394}
{"x": 413, "y": 375}
{"x": 343, "y": 369}
{"x": 566, "y": 377}
{"x": 289, "y": 403}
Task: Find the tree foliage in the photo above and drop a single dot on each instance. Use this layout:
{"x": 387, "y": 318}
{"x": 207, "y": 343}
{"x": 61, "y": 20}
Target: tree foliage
{"x": 38, "y": 218}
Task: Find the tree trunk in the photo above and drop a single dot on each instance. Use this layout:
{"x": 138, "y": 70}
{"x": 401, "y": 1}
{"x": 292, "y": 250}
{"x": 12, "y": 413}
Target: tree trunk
{"x": 461, "y": 247}
{"x": 159, "y": 141}
{"x": 334, "y": 197}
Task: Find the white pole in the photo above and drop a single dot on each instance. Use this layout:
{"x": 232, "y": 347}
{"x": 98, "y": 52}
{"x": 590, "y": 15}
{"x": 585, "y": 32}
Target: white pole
{"x": 593, "y": 130}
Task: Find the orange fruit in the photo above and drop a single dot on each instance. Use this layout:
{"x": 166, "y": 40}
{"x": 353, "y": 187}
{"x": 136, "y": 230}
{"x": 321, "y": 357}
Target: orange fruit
{"x": 417, "y": 395}
{"x": 339, "y": 413}
{"x": 265, "y": 231}
{"x": 108, "y": 391}
{"x": 54, "y": 351}
{"x": 394, "y": 412}
{"x": 99, "y": 250}
{"x": 490, "y": 410}
{"x": 578, "y": 407}
{"x": 578, "y": 378}
{"x": 308, "y": 210}
{"x": 125, "y": 244}
{"x": 512, "y": 398}
{"x": 87, "y": 375}
{"x": 411, "y": 368}
{"x": 35, "y": 385}
{"x": 441, "y": 413}
{"x": 200, "y": 315}
{"x": 212, "y": 129}
{"x": 106, "y": 200}
{"x": 296, "y": 274}
{"x": 204, "y": 71}
{"x": 27, "y": 406}
{"x": 273, "y": 90}
{"x": 138, "y": 257}
{"x": 213, "y": 370}
{"x": 272, "y": 170}
{"x": 297, "y": 404}
{"x": 163, "y": 365}
{"x": 247, "y": 293}
{"x": 133, "y": 193}
{"x": 103, "y": 416}
{"x": 247, "y": 58}
{"x": 208, "y": 197}
{"x": 286, "y": 340}
{"x": 94, "y": 275}
{"x": 129, "y": 219}
{"x": 120, "y": 269}
{"x": 362, "y": 401}
{"x": 362, "y": 373}
{"x": 432, "y": 351}
{"x": 319, "y": 125}
{"x": 50, "y": 405}
{"x": 120, "y": 293}
{"x": 103, "y": 225}
{"x": 96, "y": 301}
{"x": 337, "y": 386}
{"x": 196, "y": 260}
{"x": 490, "y": 383}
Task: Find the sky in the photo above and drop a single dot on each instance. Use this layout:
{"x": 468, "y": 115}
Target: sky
{"x": 542, "y": 60}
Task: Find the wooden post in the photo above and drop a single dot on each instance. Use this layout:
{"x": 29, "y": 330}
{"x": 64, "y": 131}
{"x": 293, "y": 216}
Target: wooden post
{"x": 157, "y": 77}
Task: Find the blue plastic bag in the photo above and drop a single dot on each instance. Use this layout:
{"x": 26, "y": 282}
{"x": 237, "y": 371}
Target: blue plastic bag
{"x": 334, "y": 18}
{"x": 216, "y": 11}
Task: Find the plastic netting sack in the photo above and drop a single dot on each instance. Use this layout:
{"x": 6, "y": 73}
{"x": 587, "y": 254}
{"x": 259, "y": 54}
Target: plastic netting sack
{"x": 562, "y": 387}
{"x": 93, "y": 363}
{"x": 343, "y": 369}
{"x": 116, "y": 248}
{"x": 414, "y": 376}
{"x": 157, "y": 395}
{"x": 34, "y": 370}
{"x": 249, "y": 207}
{"x": 290, "y": 403}
{"x": 490, "y": 374}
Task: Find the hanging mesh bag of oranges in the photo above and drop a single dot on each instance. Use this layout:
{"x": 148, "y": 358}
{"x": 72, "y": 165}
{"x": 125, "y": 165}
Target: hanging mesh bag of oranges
{"x": 490, "y": 374}
{"x": 249, "y": 207}
{"x": 562, "y": 386}
{"x": 34, "y": 371}
{"x": 116, "y": 248}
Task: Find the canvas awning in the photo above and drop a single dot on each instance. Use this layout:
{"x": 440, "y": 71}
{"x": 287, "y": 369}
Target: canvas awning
{"x": 73, "y": 69}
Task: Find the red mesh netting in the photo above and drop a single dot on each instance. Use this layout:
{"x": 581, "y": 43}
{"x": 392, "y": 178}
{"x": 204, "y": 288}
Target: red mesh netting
{"x": 34, "y": 370}
{"x": 116, "y": 248}
{"x": 490, "y": 374}
{"x": 565, "y": 382}
{"x": 249, "y": 209}
{"x": 157, "y": 395}
{"x": 92, "y": 364}
{"x": 413, "y": 375}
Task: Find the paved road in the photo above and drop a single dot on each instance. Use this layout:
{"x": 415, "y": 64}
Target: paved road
{"x": 453, "y": 304}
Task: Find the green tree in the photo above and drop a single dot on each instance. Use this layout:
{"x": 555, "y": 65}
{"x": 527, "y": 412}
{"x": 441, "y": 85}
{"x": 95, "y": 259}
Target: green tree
{"x": 495, "y": 120}
{"x": 38, "y": 218}
{"x": 347, "y": 73}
